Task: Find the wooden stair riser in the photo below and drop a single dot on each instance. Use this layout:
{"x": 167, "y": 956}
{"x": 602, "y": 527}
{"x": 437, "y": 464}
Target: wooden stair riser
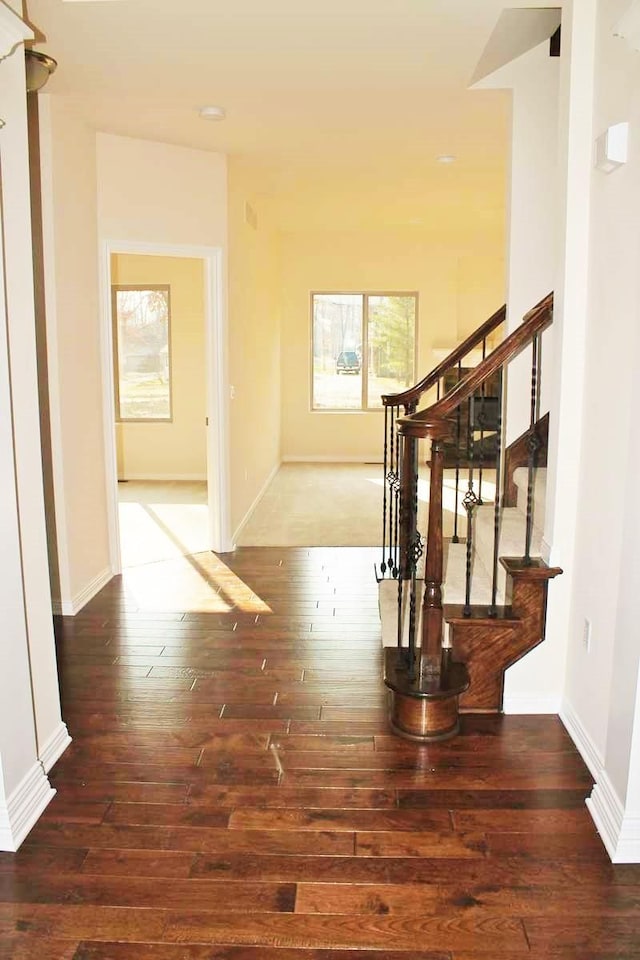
{"x": 489, "y": 646}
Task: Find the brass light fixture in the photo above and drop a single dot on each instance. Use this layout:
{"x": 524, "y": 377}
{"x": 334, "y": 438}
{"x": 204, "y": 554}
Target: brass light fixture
{"x": 39, "y": 68}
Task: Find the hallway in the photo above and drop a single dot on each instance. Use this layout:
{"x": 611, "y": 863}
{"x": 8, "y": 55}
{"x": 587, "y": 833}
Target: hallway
{"x": 232, "y": 793}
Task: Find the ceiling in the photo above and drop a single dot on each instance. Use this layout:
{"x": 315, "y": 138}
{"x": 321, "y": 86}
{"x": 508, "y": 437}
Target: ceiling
{"x": 344, "y": 98}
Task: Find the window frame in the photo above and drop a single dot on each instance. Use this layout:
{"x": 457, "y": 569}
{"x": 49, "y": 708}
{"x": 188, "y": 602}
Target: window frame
{"x": 115, "y": 289}
{"x": 365, "y": 294}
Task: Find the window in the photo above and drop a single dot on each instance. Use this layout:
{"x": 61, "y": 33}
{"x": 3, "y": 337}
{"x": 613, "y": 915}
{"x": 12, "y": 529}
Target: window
{"x": 363, "y": 346}
{"x": 142, "y": 358}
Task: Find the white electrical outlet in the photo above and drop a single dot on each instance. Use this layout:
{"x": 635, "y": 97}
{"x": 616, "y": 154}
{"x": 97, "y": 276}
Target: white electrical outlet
{"x": 586, "y": 635}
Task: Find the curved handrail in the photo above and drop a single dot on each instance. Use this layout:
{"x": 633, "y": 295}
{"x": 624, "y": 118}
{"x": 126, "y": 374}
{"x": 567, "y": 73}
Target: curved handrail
{"x": 414, "y": 393}
{"x": 433, "y": 420}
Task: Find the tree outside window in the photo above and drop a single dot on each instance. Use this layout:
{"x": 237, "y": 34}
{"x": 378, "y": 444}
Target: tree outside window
{"x": 142, "y": 358}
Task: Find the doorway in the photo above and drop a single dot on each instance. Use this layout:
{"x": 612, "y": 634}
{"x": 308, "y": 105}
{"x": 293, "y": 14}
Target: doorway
{"x": 165, "y": 403}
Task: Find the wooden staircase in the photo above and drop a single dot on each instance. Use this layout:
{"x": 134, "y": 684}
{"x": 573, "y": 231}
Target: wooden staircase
{"x": 452, "y": 656}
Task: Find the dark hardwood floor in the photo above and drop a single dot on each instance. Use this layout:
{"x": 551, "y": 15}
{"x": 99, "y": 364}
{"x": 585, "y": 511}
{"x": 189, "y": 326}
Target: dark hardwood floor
{"x": 232, "y": 792}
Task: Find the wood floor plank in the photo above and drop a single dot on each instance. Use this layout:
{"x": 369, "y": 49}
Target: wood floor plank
{"x": 315, "y": 931}
{"x": 24, "y": 946}
{"x": 124, "y": 891}
{"x": 195, "y": 839}
{"x": 184, "y": 951}
{"x": 233, "y": 792}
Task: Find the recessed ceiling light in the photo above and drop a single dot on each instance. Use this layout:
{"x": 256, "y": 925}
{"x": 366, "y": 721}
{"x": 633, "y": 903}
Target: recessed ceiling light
{"x": 212, "y": 113}
{"x": 447, "y": 158}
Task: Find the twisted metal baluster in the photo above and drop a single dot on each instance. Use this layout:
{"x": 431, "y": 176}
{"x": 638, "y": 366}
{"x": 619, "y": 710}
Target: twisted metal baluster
{"x": 391, "y": 479}
{"x": 481, "y": 420}
{"x": 455, "y": 538}
{"x": 397, "y": 503}
{"x": 497, "y": 503}
{"x": 401, "y": 651}
{"x": 383, "y": 565}
{"x": 469, "y": 502}
{"x": 533, "y": 443}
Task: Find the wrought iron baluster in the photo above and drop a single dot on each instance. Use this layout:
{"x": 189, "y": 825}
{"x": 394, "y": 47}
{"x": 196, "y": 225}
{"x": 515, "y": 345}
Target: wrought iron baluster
{"x": 533, "y": 442}
{"x": 415, "y": 553}
{"x": 396, "y": 490}
{"x": 455, "y": 538}
{"x": 497, "y": 502}
{"x": 390, "y": 480}
{"x": 469, "y": 502}
{"x": 481, "y": 421}
{"x": 402, "y": 654}
{"x": 383, "y": 564}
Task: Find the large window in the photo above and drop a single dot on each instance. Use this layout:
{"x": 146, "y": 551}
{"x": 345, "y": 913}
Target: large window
{"x": 142, "y": 358}
{"x": 363, "y": 346}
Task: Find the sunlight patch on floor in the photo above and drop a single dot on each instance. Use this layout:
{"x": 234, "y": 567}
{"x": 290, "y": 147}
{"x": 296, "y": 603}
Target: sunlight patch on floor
{"x": 195, "y": 583}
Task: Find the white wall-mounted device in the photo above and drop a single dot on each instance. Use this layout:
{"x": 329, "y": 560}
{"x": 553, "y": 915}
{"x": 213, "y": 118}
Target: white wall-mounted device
{"x": 612, "y": 147}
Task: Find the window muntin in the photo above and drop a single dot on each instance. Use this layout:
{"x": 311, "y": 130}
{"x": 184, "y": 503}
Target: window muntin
{"x": 142, "y": 352}
{"x": 363, "y": 345}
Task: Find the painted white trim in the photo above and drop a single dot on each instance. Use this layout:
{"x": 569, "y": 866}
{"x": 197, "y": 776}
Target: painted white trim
{"x": 55, "y": 746}
{"x": 524, "y": 704}
{"x": 166, "y": 477}
{"x": 373, "y": 459}
{"x": 218, "y": 449}
{"x": 255, "y": 503}
{"x": 69, "y": 608}
{"x": 24, "y": 807}
{"x": 583, "y": 740}
{"x": 217, "y": 387}
{"x": 620, "y": 832}
{"x": 13, "y": 30}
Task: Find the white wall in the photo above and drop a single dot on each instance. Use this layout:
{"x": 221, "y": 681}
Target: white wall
{"x": 601, "y": 689}
{"x": 532, "y": 213}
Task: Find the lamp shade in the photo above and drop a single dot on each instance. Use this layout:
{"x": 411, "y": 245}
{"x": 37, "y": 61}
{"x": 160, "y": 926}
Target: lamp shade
{"x": 39, "y": 68}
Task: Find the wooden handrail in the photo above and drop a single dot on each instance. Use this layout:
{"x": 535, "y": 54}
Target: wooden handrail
{"x": 430, "y": 422}
{"x": 414, "y": 393}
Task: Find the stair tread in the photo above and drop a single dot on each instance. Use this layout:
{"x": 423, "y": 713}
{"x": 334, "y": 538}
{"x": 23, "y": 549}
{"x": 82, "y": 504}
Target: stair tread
{"x": 454, "y": 612}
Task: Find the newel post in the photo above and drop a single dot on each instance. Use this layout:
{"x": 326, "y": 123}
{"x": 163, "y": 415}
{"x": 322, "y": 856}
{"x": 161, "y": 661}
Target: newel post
{"x": 432, "y": 622}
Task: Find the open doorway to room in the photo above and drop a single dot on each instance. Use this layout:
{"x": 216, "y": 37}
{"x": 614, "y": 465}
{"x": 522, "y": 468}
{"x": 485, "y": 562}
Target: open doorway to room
{"x": 166, "y": 406}
{"x": 158, "y": 322}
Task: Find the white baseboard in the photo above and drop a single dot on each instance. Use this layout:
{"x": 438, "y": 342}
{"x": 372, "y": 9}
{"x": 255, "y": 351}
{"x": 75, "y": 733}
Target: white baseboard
{"x": 526, "y": 703}
{"x": 24, "y": 807}
{"x": 619, "y": 831}
{"x": 373, "y": 459}
{"x": 69, "y": 608}
{"x": 167, "y": 477}
{"x": 583, "y": 741}
{"x": 253, "y": 506}
{"x": 55, "y": 746}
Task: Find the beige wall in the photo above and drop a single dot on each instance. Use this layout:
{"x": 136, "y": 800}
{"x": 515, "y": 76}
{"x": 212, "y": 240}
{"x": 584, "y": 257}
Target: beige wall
{"x": 458, "y": 287}
{"x": 175, "y": 450}
{"x": 254, "y": 345}
{"x": 68, "y": 149}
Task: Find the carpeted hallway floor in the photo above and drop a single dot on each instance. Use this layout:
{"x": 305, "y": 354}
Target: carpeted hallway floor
{"x": 319, "y": 504}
